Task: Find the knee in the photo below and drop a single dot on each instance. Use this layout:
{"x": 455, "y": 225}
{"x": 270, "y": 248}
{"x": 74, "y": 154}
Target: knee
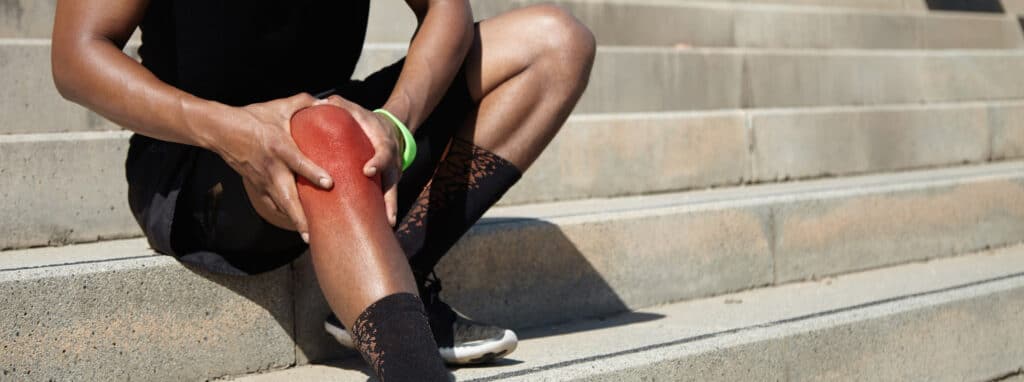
{"x": 331, "y": 137}
{"x": 564, "y": 38}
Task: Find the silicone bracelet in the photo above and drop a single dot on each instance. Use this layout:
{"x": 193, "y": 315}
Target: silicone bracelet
{"x": 410, "y": 143}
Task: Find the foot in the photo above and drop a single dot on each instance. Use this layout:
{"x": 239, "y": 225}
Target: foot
{"x": 460, "y": 340}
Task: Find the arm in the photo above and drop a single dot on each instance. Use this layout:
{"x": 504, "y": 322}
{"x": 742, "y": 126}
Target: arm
{"x": 89, "y": 68}
{"x": 437, "y": 51}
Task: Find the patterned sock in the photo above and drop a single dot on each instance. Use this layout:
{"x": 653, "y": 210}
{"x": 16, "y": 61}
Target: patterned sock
{"x": 394, "y": 338}
{"x": 466, "y": 183}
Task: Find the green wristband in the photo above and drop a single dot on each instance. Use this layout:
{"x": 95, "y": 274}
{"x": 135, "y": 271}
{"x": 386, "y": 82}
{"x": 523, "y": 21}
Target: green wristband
{"x": 410, "y": 143}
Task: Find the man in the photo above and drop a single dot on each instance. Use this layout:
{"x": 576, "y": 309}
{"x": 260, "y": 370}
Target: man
{"x": 212, "y": 168}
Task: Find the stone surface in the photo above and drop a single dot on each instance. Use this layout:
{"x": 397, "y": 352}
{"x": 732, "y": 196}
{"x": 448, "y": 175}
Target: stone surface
{"x": 842, "y": 233}
{"x": 29, "y": 101}
{"x": 56, "y": 199}
{"x": 538, "y": 264}
{"x": 637, "y": 79}
{"x": 312, "y": 343}
{"x": 138, "y": 317}
{"x": 1007, "y": 131}
{"x": 887, "y": 324}
{"x": 777, "y": 79}
{"x": 669, "y": 23}
{"x": 26, "y": 18}
{"x": 58, "y": 189}
{"x": 647, "y": 153}
{"x": 626, "y": 79}
{"x": 805, "y": 143}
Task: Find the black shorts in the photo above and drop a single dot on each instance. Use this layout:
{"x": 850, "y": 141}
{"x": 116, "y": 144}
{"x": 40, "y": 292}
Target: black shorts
{"x": 192, "y": 205}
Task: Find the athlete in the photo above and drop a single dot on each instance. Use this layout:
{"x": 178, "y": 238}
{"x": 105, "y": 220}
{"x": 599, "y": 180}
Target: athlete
{"x": 212, "y": 167}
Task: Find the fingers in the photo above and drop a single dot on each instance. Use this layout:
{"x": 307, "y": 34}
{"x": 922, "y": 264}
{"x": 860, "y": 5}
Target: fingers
{"x": 286, "y": 196}
{"x": 302, "y": 165}
{"x": 390, "y": 184}
{"x": 300, "y": 101}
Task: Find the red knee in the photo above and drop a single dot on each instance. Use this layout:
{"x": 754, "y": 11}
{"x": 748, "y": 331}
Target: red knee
{"x": 332, "y": 139}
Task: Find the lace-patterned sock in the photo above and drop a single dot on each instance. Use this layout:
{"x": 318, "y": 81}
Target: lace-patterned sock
{"x": 394, "y": 338}
{"x": 467, "y": 182}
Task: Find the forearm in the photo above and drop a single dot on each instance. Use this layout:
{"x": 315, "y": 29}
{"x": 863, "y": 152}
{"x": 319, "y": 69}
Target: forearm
{"x": 96, "y": 74}
{"x": 435, "y": 56}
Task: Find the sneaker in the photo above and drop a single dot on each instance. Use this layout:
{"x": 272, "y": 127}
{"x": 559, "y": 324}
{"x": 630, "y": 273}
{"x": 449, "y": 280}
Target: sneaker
{"x": 460, "y": 340}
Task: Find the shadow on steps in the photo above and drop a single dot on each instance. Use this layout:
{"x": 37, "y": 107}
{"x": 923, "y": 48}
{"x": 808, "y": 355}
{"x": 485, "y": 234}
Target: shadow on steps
{"x": 514, "y": 272}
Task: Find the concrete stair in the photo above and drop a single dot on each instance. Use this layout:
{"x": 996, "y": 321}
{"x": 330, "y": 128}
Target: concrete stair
{"x": 723, "y": 146}
{"x": 124, "y": 311}
{"x": 77, "y": 176}
{"x": 958, "y": 320}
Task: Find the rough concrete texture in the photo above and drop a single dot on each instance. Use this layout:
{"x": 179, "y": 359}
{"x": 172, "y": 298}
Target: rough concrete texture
{"x": 1015, "y": 7}
{"x": 312, "y": 343}
{"x": 1007, "y": 131}
{"x": 652, "y": 152}
{"x": 391, "y": 20}
{"x": 633, "y": 79}
{"x": 719, "y": 25}
{"x": 538, "y": 264}
{"x": 843, "y": 233}
{"x": 139, "y": 318}
{"x": 572, "y": 267}
{"x": 778, "y": 79}
{"x": 531, "y": 272}
{"x": 58, "y": 189}
{"x": 866, "y": 4}
{"x": 949, "y": 319}
{"x": 804, "y": 143}
{"x": 649, "y": 152}
{"x": 26, "y": 18}
{"x": 655, "y": 79}
{"x": 29, "y": 101}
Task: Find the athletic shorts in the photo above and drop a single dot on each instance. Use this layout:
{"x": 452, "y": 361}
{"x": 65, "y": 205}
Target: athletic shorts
{"x": 192, "y": 205}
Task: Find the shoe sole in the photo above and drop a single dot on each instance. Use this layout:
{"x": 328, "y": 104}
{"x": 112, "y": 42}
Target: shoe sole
{"x": 469, "y": 354}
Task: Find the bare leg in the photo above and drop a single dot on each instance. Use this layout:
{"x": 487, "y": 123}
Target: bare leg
{"x": 361, "y": 268}
{"x": 356, "y": 258}
{"x": 526, "y": 71}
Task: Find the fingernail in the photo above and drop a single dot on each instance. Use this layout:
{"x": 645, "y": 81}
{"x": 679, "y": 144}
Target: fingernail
{"x": 320, "y": 102}
{"x": 373, "y": 171}
{"x": 305, "y": 237}
{"x": 325, "y": 183}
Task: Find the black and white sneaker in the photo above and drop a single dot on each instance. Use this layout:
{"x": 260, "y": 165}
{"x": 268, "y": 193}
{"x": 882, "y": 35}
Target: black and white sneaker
{"x": 460, "y": 340}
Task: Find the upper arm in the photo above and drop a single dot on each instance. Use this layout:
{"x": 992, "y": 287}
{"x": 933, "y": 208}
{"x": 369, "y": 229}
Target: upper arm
{"x": 81, "y": 20}
{"x": 85, "y": 30}
{"x": 420, "y": 7}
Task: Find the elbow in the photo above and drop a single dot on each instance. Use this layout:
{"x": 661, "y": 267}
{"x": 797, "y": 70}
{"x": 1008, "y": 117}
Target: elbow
{"x": 66, "y": 77}
{"x": 63, "y": 79}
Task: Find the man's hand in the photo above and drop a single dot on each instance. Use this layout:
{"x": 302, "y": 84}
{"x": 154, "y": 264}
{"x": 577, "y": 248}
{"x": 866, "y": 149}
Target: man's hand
{"x": 387, "y": 146}
{"x": 260, "y": 148}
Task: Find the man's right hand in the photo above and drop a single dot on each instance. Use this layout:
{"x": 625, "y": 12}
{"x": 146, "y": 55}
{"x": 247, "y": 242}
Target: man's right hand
{"x": 256, "y": 142}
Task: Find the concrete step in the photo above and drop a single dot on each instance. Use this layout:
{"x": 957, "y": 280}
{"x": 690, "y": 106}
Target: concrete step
{"x": 68, "y": 187}
{"x": 948, "y": 320}
{"x": 114, "y": 310}
{"x": 633, "y": 79}
{"x": 892, "y": 5}
{"x": 732, "y": 24}
{"x": 853, "y": 24}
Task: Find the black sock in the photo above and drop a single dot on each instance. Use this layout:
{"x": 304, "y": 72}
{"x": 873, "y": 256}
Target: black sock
{"x": 393, "y": 336}
{"x": 466, "y": 183}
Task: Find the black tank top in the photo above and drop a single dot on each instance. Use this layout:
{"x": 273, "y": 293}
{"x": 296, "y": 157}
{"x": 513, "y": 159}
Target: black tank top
{"x": 244, "y": 51}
